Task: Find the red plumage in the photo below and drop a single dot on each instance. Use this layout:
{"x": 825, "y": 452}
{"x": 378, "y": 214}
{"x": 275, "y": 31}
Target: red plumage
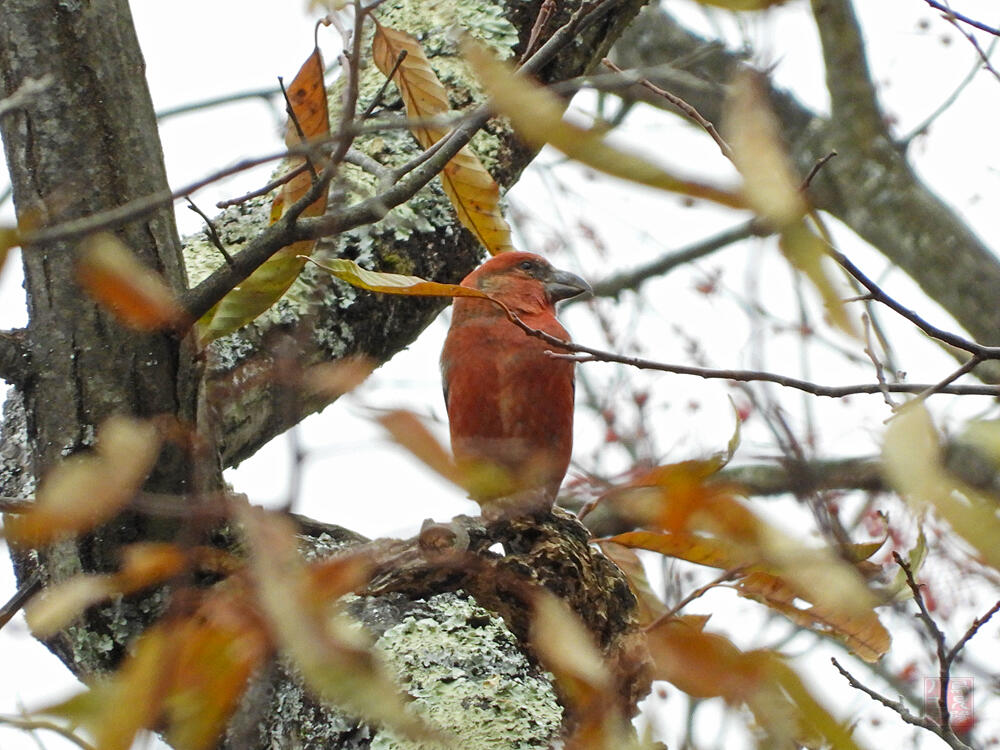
{"x": 509, "y": 403}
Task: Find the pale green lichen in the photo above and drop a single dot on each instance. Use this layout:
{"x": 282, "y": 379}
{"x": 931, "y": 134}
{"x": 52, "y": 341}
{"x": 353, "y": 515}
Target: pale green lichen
{"x": 469, "y": 678}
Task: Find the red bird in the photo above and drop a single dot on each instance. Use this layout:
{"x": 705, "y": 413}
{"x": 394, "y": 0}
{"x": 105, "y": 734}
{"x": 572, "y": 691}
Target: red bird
{"x": 510, "y": 404}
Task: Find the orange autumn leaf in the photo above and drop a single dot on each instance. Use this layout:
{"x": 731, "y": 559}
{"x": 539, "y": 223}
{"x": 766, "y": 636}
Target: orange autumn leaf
{"x": 468, "y": 185}
{"x": 266, "y": 285}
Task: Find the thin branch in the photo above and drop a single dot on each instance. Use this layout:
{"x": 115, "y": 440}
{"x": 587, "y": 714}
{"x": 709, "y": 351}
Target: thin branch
{"x": 684, "y": 107}
{"x": 983, "y": 56}
{"x": 385, "y": 84}
{"x": 277, "y": 182}
{"x": 973, "y": 629}
{"x": 964, "y": 19}
{"x": 725, "y": 576}
{"x": 901, "y": 710}
{"x": 29, "y": 724}
{"x": 969, "y": 365}
{"x": 587, "y": 354}
{"x": 28, "y": 589}
{"x": 906, "y": 140}
{"x": 216, "y": 240}
{"x": 952, "y": 339}
{"x": 820, "y": 163}
{"x": 545, "y": 13}
{"x": 944, "y": 660}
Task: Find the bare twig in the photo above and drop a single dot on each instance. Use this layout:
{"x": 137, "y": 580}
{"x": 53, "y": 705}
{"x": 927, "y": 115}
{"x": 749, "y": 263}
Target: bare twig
{"x": 973, "y": 629}
{"x": 277, "y": 182}
{"x": 879, "y": 370}
{"x": 820, "y": 163}
{"x": 952, "y": 339}
{"x": 945, "y": 657}
{"x": 684, "y": 107}
{"x": 25, "y": 591}
{"x": 29, "y": 724}
{"x": 216, "y": 240}
{"x": 545, "y": 13}
{"x": 969, "y": 365}
{"x": 902, "y": 711}
{"x": 948, "y": 12}
{"x": 385, "y": 84}
{"x": 727, "y": 575}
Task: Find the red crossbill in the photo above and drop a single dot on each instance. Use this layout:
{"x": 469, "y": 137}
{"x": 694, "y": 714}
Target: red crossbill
{"x": 510, "y": 405}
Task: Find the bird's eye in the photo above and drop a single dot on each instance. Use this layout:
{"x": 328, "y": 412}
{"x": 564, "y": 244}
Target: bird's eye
{"x": 527, "y": 265}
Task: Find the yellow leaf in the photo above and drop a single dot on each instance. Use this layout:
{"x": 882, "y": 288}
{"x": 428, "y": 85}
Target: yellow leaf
{"x": 772, "y": 188}
{"x": 537, "y": 114}
{"x": 393, "y": 283}
{"x": 912, "y": 459}
{"x": 63, "y": 602}
{"x": 89, "y": 488}
{"x": 770, "y": 185}
{"x": 806, "y": 251}
{"x": 468, "y": 185}
{"x": 137, "y": 295}
{"x": 265, "y": 286}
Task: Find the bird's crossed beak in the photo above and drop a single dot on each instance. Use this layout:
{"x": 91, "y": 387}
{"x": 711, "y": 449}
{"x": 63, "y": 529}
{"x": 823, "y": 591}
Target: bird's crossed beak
{"x": 562, "y": 285}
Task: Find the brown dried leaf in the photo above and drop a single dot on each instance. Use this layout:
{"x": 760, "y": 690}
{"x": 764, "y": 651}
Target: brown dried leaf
{"x": 860, "y": 631}
{"x": 266, "y": 285}
{"x": 89, "y": 488}
{"x": 468, "y": 185}
{"x": 137, "y": 295}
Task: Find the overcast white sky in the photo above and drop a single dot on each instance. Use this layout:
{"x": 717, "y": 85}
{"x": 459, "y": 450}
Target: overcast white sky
{"x": 197, "y": 50}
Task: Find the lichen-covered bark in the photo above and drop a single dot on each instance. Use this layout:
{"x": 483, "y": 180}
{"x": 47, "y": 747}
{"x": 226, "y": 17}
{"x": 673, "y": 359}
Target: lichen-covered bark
{"x": 88, "y": 143}
{"x": 327, "y": 320}
{"x": 869, "y": 185}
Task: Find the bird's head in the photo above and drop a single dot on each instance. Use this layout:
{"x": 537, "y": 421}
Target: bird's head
{"x": 525, "y": 282}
